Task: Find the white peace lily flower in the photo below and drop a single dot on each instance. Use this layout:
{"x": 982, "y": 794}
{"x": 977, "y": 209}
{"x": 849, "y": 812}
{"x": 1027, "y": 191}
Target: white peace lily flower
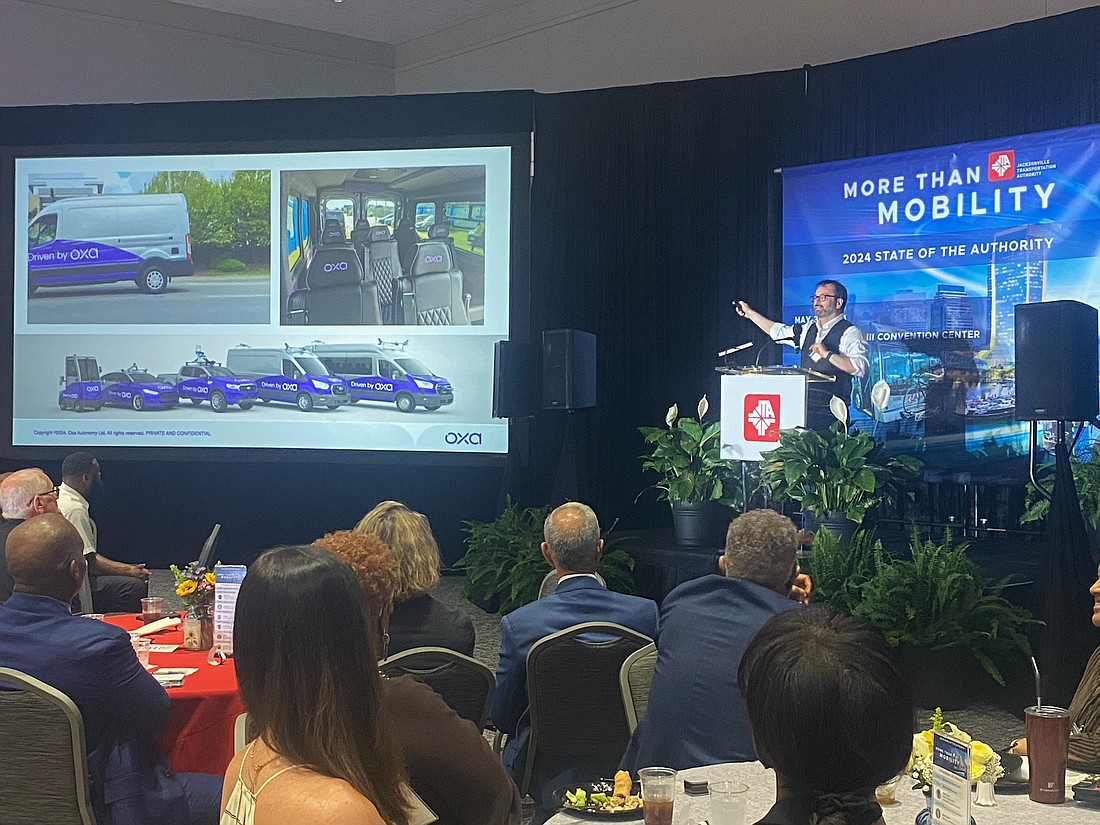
{"x": 703, "y": 407}
{"x": 839, "y": 409}
{"x": 880, "y": 395}
{"x": 670, "y": 416}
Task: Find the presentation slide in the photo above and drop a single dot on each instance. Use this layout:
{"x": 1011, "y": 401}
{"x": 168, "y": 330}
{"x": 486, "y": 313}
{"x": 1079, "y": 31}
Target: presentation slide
{"x": 336, "y": 300}
{"x": 936, "y": 247}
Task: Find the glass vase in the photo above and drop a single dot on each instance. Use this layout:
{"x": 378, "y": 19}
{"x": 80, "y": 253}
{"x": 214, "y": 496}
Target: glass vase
{"x": 198, "y": 628}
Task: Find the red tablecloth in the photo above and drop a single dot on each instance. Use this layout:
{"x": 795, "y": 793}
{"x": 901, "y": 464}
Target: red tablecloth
{"x": 199, "y": 736}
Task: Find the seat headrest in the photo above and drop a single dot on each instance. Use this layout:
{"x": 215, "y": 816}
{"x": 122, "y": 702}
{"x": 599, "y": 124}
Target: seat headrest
{"x": 334, "y": 233}
{"x": 432, "y": 256}
{"x": 360, "y": 236}
{"x": 334, "y": 267}
{"x": 379, "y": 233}
{"x": 362, "y": 223}
{"x": 405, "y": 223}
{"x": 440, "y": 230}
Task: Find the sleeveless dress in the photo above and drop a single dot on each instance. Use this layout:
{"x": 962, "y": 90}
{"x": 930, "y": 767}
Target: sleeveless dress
{"x": 241, "y": 806}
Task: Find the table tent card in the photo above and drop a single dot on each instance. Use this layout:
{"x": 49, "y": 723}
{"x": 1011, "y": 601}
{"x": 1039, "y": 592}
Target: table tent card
{"x": 227, "y": 584}
{"x": 950, "y": 781}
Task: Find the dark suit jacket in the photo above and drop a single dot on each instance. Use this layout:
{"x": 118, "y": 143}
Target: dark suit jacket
{"x": 122, "y": 705}
{"x": 425, "y": 621}
{"x": 7, "y": 584}
{"x": 696, "y": 715}
{"x": 577, "y": 600}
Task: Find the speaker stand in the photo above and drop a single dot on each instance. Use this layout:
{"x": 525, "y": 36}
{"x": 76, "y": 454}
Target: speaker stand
{"x": 1033, "y": 453}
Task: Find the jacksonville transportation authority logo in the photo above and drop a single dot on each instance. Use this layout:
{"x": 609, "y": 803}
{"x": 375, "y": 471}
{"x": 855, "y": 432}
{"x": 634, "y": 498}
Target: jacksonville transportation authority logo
{"x": 1002, "y": 165}
{"x": 761, "y": 417}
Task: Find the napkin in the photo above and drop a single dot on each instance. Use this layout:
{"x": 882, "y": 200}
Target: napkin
{"x": 156, "y": 627}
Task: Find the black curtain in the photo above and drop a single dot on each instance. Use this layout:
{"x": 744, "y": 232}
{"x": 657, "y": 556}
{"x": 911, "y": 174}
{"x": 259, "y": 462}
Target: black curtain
{"x": 1066, "y": 569}
{"x": 648, "y": 221}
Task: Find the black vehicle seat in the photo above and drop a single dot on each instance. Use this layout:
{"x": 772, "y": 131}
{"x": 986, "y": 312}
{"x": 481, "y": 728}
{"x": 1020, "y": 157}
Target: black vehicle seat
{"x": 407, "y": 238}
{"x": 334, "y": 232}
{"x": 333, "y": 291}
{"x": 432, "y": 292}
{"x": 384, "y": 270}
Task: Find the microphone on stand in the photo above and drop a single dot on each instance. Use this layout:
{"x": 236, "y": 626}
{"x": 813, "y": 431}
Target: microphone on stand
{"x": 738, "y": 348}
{"x": 796, "y": 335}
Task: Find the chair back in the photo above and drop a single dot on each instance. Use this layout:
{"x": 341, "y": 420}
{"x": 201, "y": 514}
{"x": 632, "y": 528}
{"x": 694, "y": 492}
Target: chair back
{"x": 575, "y": 707}
{"x": 550, "y": 583}
{"x": 465, "y": 684}
{"x": 43, "y": 759}
{"x": 635, "y": 677}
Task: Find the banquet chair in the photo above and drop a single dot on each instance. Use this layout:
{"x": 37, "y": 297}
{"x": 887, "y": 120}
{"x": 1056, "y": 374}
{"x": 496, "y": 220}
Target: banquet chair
{"x": 575, "y": 708}
{"x": 465, "y": 684}
{"x": 43, "y": 760}
{"x": 550, "y": 583}
{"x": 635, "y": 677}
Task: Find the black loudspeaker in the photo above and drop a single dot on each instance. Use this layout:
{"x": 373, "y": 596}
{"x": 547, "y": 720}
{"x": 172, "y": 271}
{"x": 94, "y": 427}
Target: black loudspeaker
{"x": 568, "y": 369}
{"x": 515, "y": 392}
{"x": 1056, "y": 362}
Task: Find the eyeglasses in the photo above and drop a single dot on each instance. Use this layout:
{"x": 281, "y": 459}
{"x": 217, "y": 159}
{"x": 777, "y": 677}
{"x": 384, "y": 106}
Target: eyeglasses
{"x": 816, "y": 299}
{"x": 51, "y": 493}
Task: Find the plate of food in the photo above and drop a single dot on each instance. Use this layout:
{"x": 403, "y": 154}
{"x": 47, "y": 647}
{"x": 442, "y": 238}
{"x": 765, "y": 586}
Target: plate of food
{"x": 609, "y": 799}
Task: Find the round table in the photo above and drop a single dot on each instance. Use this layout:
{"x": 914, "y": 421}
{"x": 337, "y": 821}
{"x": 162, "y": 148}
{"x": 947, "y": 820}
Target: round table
{"x": 199, "y": 734}
{"x": 694, "y": 810}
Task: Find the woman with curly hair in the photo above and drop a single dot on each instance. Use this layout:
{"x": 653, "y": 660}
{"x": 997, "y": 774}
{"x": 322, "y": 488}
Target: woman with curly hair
{"x": 451, "y": 766}
{"x": 419, "y": 619}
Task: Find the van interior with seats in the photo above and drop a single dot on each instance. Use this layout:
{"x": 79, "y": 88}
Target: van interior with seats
{"x": 375, "y": 247}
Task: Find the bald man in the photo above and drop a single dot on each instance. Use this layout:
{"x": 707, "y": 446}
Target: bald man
{"x": 23, "y": 495}
{"x": 94, "y": 664}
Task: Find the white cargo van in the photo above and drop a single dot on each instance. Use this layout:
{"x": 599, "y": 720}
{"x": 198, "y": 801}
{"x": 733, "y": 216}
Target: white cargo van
{"x": 106, "y": 238}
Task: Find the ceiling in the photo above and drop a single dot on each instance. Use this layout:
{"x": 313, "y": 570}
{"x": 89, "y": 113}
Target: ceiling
{"x": 556, "y": 45}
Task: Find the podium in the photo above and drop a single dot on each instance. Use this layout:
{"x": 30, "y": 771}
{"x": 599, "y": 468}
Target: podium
{"x": 758, "y": 402}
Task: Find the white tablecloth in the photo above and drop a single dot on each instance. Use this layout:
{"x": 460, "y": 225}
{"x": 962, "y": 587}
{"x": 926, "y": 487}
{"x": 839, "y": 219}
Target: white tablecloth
{"x": 1016, "y": 809}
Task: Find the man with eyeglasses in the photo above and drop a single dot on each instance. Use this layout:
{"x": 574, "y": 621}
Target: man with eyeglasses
{"x": 832, "y": 345}
{"x": 116, "y": 586}
{"x": 23, "y": 495}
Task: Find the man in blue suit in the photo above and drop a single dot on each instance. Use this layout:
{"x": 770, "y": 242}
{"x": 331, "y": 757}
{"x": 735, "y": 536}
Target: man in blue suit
{"x": 696, "y": 715}
{"x": 572, "y": 547}
{"x": 93, "y": 663}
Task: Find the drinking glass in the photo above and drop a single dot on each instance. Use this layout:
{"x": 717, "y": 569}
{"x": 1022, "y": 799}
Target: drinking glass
{"x": 727, "y": 803}
{"x": 151, "y": 609}
{"x": 141, "y": 648}
{"x": 658, "y": 793}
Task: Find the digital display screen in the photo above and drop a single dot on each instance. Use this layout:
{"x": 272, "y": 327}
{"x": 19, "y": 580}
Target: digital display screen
{"x": 322, "y": 300}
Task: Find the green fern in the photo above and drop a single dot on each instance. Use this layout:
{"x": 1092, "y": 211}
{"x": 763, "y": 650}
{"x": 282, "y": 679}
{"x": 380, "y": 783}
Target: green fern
{"x": 938, "y": 600}
{"x": 840, "y": 573}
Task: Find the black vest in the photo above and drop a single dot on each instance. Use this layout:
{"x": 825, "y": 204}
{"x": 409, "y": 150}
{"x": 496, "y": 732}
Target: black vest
{"x": 818, "y": 393}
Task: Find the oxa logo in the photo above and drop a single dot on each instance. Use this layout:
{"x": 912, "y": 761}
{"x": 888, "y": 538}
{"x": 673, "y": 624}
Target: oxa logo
{"x": 473, "y": 439}
{"x": 761, "y": 418}
{"x": 1002, "y": 165}
{"x": 337, "y": 267}
{"x": 433, "y": 259}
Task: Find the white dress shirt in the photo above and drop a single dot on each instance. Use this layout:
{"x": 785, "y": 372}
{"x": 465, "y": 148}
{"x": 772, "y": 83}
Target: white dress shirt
{"x": 852, "y": 343}
{"x": 74, "y": 507}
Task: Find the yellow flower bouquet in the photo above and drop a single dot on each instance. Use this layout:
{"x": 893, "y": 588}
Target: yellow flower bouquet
{"x": 985, "y": 763}
{"x": 194, "y": 584}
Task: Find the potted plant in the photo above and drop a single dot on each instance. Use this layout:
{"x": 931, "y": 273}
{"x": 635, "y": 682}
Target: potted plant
{"x": 835, "y": 475}
{"x": 504, "y": 564}
{"x": 698, "y": 483}
{"x": 841, "y": 572}
{"x": 950, "y": 626}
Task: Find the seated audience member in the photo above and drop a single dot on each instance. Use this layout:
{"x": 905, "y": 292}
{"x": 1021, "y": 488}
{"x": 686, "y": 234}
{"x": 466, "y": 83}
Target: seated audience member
{"x": 93, "y": 663}
{"x": 451, "y": 766}
{"x": 573, "y": 547}
{"x": 116, "y": 586}
{"x": 706, "y": 623}
{"x": 23, "y": 495}
{"x": 830, "y": 712}
{"x": 309, "y": 680}
{"x": 1084, "y": 709}
{"x": 419, "y": 619}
